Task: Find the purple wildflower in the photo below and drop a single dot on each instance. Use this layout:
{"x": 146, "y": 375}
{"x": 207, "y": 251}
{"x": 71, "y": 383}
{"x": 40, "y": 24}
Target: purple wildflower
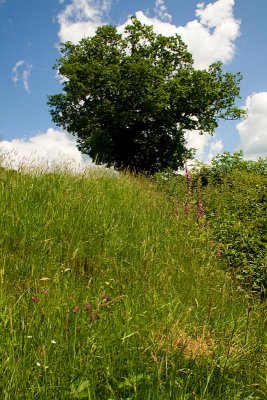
{"x": 187, "y": 208}
{"x": 188, "y": 177}
{"x": 94, "y": 317}
{"x": 76, "y": 309}
{"x": 219, "y": 253}
{"x": 88, "y": 307}
{"x": 46, "y": 292}
{"x": 200, "y": 209}
{"x": 35, "y": 299}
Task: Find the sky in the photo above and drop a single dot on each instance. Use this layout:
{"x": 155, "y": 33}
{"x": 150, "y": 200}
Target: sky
{"x": 232, "y": 31}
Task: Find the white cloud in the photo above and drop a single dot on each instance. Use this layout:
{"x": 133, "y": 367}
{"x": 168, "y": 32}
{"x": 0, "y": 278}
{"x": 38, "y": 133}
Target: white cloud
{"x": 161, "y": 11}
{"x": 253, "y": 130}
{"x": 22, "y": 71}
{"x": 198, "y": 142}
{"x": 216, "y": 147}
{"x": 210, "y": 36}
{"x": 81, "y": 18}
{"x": 48, "y": 150}
{"x": 206, "y": 146}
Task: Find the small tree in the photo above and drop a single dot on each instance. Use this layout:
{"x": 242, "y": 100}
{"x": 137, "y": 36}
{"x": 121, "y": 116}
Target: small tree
{"x": 130, "y": 98}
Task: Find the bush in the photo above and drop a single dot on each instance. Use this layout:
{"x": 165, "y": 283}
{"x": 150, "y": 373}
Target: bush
{"x": 232, "y": 195}
{"x": 225, "y": 163}
{"x": 236, "y": 212}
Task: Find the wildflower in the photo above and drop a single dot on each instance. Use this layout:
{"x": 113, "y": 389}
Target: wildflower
{"x": 76, "y": 309}
{"x": 219, "y": 253}
{"x": 29, "y": 337}
{"x": 187, "y": 208}
{"x": 200, "y": 209}
{"x": 35, "y": 299}
{"x": 46, "y": 292}
{"x": 88, "y": 307}
{"x": 53, "y": 341}
{"x": 200, "y": 206}
{"x": 38, "y": 364}
{"x": 188, "y": 177}
{"x": 107, "y": 298}
{"x": 94, "y": 317}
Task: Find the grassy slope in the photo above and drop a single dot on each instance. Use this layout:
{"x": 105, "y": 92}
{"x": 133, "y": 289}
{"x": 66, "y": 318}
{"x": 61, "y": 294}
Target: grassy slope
{"x": 172, "y": 326}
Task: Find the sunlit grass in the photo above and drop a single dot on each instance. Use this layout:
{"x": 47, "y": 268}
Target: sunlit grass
{"x": 108, "y": 291}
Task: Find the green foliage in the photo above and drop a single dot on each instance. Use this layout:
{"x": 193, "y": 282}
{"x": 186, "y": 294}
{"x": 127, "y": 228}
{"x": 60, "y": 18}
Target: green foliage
{"x": 235, "y": 197}
{"x": 224, "y": 164}
{"x": 108, "y": 291}
{"x": 231, "y": 194}
{"x": 130, "y": 98}
{"x": 236, "y": 211}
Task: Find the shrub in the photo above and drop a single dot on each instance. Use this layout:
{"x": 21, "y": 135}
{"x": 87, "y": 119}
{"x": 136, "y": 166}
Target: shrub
{"x": 233, "y": 198}
{"x": 236, "y": 212}
{"x": 225, "y": 163}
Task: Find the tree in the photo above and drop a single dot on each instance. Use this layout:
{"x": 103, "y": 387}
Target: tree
{"x": 130, "y": 98}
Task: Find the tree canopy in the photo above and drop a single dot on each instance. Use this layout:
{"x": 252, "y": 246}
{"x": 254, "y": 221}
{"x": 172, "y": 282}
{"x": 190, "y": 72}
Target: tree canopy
{"x": 131, "y": 97}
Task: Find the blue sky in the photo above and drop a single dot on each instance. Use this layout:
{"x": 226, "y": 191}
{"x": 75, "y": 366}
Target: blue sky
{"x": 233, "y": 31}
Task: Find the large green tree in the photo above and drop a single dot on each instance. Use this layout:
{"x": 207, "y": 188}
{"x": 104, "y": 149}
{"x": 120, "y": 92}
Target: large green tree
{"x": 130, "y": 98}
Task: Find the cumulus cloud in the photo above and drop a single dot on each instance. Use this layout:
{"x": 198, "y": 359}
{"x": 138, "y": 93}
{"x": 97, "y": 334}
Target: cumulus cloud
{"x": 81, "y": 18}
{"x": 48, "y": 150}
{"x": 206, "y": 146}
{"x": 215, "y": 148}
{"x": 253, "y": 130}
{"x": 210, "y": 36}
{"x": 21, "y": 72}
{"x": 161, "y": 11}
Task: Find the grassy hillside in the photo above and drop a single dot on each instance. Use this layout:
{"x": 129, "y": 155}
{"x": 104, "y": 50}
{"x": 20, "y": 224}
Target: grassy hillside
{"x": 109, "y": 291}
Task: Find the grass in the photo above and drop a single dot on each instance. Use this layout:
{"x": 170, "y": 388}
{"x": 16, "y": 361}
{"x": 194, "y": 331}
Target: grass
{"x": 108, "y": 291}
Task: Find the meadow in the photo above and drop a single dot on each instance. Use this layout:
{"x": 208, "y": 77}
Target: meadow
{"x": 111, "y": 290}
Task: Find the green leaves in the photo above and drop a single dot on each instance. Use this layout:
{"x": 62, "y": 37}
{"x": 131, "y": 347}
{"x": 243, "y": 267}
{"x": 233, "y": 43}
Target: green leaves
{"x": 236, "y": 205}
{"x": 82, "y": 391}
{"x": 130, "y": 98}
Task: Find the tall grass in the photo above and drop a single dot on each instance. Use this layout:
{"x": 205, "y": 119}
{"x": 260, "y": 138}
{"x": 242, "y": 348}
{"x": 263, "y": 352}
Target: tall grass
{"x": 109, "y": 291}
